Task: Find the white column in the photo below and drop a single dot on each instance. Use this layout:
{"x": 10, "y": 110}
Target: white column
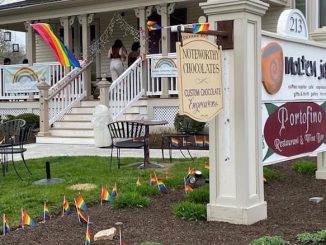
{"x": 165, "y": 10}
{"x": 236, "y": 171}
{"x": 85, "y": 21}
{"x": 66, "y": 23}
{"x": 142, "y": 14}
{"x": 312, "y": 15}
{"x": 30, "y": 44}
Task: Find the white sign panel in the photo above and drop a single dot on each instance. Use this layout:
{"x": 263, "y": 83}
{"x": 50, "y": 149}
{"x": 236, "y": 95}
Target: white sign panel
{"x": 163, "y": 67}
{"x": 292, "y": 23}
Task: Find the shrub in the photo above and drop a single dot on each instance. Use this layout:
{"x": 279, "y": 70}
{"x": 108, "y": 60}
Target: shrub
{"x": 150, "y": 243}
{"x": 190, "y": 211}
{"x": 199, "y": 195}
{"x": 183, "y": 123}
{"x": 146, "y": 190}
{"x": 269, "y": 240}
{"x": 30, "y": 118}
{"x": 130, "y": 200}
{"x": 270, "y": 174}
{"x": 305, "y": 167}
{"x": 312, "y": 238}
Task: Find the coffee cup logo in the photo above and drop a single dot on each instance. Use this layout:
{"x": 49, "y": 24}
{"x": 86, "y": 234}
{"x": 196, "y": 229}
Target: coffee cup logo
{"x": 272, "y": 67}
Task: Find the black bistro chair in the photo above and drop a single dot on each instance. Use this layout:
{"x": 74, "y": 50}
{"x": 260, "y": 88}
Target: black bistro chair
{"x": 124, "y": 135}
{"x": 14, "y": 134}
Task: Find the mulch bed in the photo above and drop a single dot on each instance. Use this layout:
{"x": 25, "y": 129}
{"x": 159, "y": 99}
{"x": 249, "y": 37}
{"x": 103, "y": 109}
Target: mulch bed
{"x": 289, "y": 213}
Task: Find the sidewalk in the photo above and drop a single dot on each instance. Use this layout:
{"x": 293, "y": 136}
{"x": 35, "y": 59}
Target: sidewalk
{"x": 46, "y": 150}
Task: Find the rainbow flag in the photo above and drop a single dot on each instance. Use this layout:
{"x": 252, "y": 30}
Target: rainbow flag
{"x": 27, "y": 220}
{"x": 168, "y": 175}
{"x": 161, "y": 186}
{"x": 174, "y": 142}
{"x": 81, "y": 204}
{"x": 206, "y": 165}
{"x": 152, "y": 180}
{"x": 138, "y": 182}
{"x": 63, "y": 55}
{"x": 5, "y": 225}
{"x": 65, "y": 207}
{"x": 82, "y": 216}
{"x": 104, "y": 194}
{"x": 188, "y": 187}
{"x": 199, "y": 142}
{"x": 191, "y": 171}
{"x": 199, "y": 27}
{"x": 114, "y": 192}
{"x": 46, "y": 213}
{"x": 88, "y": 234}
{"x": 153, "y": 26}
{"x": 206, "y": 142}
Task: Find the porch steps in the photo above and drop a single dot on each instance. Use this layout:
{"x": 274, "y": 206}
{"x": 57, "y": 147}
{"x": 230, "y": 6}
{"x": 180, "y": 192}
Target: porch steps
{"x": 76, "y": 126}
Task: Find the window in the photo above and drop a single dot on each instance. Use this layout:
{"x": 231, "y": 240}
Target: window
{"x": 322, "y": 11}
{"x": 301, "y": 5}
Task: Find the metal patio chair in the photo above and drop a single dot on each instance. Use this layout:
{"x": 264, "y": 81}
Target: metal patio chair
{"x": 126, "y": 135}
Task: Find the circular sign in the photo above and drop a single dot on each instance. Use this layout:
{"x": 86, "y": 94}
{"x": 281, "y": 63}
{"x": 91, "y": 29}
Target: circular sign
{"x": 292, "y": 23}
{"x": 272, "y": 67}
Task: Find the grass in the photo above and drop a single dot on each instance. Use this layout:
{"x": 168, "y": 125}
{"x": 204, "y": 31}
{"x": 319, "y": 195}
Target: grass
{"x": 312, "y": 238}
{"x": 269, "y": 240}
{"x": 305, "y": 167}
{"x": 190, "y": 211}
{"x": 16, "y": 194}
{"x": 130, "y": 200}
{"x": 270, "y": 173}
{"x": 199, "y": 195}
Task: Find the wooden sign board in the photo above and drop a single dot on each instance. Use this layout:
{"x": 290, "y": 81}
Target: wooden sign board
{"x": 200, "y": 79}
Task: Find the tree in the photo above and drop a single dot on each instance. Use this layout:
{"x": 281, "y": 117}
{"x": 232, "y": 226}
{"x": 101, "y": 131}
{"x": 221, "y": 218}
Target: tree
{"x": 6, "y": 50}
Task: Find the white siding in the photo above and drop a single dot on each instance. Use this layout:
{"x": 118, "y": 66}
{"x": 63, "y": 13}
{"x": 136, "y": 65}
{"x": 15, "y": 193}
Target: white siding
{"x": 43, "y": 52}
{"x": 270, "y": 19}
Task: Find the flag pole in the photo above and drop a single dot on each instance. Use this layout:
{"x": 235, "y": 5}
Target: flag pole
{"x": 44, "y": 212}
{"x": 63, "y": 206}
{"x": 3, "y": 225}
{"x": 22, "y": 218}
{"x": 101, "y": 196}
{"x": 156, "y": 181}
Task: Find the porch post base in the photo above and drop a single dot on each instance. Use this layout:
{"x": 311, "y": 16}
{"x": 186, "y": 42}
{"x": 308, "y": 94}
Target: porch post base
{"x": 321, "y": 174}
{"x": 237, "y": 215}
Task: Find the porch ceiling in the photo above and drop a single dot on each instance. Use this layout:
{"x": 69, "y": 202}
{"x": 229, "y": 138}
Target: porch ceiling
{"x": 61, "y": 8}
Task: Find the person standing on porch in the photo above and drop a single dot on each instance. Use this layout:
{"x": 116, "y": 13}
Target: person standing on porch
{"x": 117, "y": 54}
{"x": 134, "y": 54}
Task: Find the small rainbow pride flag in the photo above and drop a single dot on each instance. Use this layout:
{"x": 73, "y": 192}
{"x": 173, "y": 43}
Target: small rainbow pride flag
{"x": 199, "y": 27}
{"x": 152, "y": 180}
{"x": 63, "y": 55}
{"x": 199, "y": 142}
{"x": 5, "y": 225}
{"x": 82, "y": 216}
{"x": 104, "y": 194}
{"x": 153, "y": 26}
{"x": 168, "y": 175}
{"x": 206, "y": 165}
{"x": 114, "y": 192}
{"x": 46, "y": 213}
{"x": 161, "y": 186}
{"x": 206, "y": 142}
{"x": 65, "y": 207}
{"x": 88, "y": 234}
{"x": 81, "y": 204}
{"x": 174, "y": 142}
{"x": 27, "y": 220}
{"x": 191, "y": 171}
{"x": 138, "y": 182}
{"x": 188, "y": 187}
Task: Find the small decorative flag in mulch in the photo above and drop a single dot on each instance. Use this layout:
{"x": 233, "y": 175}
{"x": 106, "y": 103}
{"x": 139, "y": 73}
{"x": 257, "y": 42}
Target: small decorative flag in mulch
{"x": 88, "y": 234}
{"x": 104, "y": 194}
{"x": 191, "y": 171}
{"x": 46, "y": 213}
{"x": 168, "y": 175}
{"x": 65, "y": 207}
{"x": 82, "y": 216}
{"x": 114, "y": 192}
{"x": 27, "y": 220}
{"x": 206, "y": 165}
{"x": 187, "y": 185}
{"x": 138, "y": 182}
{"x": 5, "y": 225}
{"x": 161, "y": 186}
{"x": 81, "y": 204}
{"x": 152, "y": 180}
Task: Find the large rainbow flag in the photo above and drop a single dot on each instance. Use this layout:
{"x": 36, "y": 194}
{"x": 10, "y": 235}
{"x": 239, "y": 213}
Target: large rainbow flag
{"x": 5, "y": 225}
{"x": 27, "y": 220}
{"x": 64, "y": 56}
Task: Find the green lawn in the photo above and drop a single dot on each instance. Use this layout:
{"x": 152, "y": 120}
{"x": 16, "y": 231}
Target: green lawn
{"x": 16, "y": 194}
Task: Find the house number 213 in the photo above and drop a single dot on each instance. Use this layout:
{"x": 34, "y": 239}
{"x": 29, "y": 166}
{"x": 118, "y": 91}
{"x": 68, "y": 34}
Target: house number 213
{"x": 296, "y": 25}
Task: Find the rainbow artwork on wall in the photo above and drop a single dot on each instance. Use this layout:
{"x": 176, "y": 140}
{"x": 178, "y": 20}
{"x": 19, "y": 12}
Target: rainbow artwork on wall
{"x": 163, "y": 67}
{"x": 24, "y": 78}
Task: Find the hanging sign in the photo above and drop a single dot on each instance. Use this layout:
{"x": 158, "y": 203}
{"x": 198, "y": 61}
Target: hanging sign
{"x": 163, "y": 67}
{"x": 185, "y": 35}
{"x": 199, "y": 78}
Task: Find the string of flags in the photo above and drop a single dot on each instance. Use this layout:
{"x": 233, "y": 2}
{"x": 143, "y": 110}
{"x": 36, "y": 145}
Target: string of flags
{"x": 196, "y": 27}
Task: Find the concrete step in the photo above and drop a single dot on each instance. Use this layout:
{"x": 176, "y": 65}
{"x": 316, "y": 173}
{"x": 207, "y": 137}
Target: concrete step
{"x": 89, "y": 103}
{"x": 83, "y": 110}
{"x": 72, "y": 132}
{"x": 73, "y": 124}
{"x": 65, "y": 140}
{"x": 77, "y": 117}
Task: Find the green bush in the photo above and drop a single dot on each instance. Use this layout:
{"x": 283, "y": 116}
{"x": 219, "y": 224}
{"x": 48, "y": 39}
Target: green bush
{"x": 30, "y": 118}
{"x": 269, "y": 240}
{"x": 305, "y": 167}
{"x": 183, "y": 123}
{"x": 190, "y": 211}
{"x": 312, "y": 238}
{"x": 130, "y": 200}
{"x": 145, "y": 190}
{"x": 199, "y": 195}
{"x": 270, "y": 174}
{"x": 150, "y": 243}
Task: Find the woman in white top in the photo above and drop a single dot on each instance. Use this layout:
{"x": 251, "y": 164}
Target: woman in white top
{"x": 117, "y": 54}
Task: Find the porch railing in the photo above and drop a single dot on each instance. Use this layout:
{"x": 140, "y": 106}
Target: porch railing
{"x": 154, "y": 84}
{"x": 127, "y": 89}
{"x": 66, "y": 93}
